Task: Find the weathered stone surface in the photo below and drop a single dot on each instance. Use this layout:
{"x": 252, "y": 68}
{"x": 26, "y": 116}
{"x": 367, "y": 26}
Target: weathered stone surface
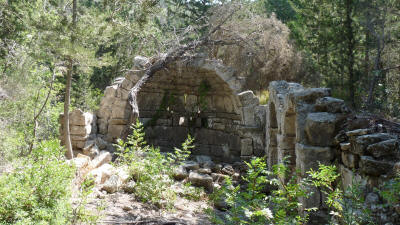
{"x": 204, "y": 170}
{"x": 320, "y": 128}
{"x": 80, "y": 130}
{"x": 358, "y": 132}
{"x": 80, "y": 162}
{"x": 102, "y": 173}
{"x": 103, "y": 158}
{"x": 331, "y": 105}
{"x": 345, "y": 146}
{"x": 112, "y": 184}
{"x": 91, "y": 151}
{"x": 369, "y": 165}
{"x": 359, "y": 144}
{"x": 286, "y": 142}
{"x": 348, "y": 177}
{"x": 247, "y": 98}
{"x": 180, "y": 173}
{"x": 202, "y": 180}
{"x": 191, "y": 165}
{"x": 310, "y": 95}
{"x": 385, "y": 148}
{"x": 308, "y": 157}
{"x": 246, "y": 146}
{"x": 123, "y": 174}
{"x": 350, "y": 160}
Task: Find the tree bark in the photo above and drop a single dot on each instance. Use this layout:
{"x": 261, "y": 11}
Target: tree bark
{"x": 350, "y": 50}
{"x": 67, "y": 135}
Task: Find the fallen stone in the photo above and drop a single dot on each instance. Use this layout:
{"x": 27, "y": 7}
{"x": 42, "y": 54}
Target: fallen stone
{"x": 358, "y": 132}
{"x": 385, "y": 148}
{"x": 123, "y": 174}
{"x": 92, "y": 151}
{"x": 202, "y": 180}
{"x": 370, "y": 166}
{"x": 204, "y": 170}
{"x": 191, "y": 165}
{"x": 180, "y": 173}
{"x": 228, "y": 169}
{"x": 102, "y": 173}
{"x": 102, "y": 144}
{"x": 359, "y": 144}
{"x": 112, "y": 184}
{"x": 217, "y": 177}
{"x": 80, "y": 162}
{"x": 103, "y": 158}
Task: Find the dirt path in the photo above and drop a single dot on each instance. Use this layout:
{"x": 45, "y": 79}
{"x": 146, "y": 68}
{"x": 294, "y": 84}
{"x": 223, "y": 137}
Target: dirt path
{"x": 122, "y": 208}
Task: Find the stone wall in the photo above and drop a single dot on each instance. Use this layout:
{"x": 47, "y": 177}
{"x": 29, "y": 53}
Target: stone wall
{"x": 197, "y": 96}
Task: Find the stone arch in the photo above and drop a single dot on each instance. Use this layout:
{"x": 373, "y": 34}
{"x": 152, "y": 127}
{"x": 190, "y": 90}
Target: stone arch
{"x": 226, "y": 122}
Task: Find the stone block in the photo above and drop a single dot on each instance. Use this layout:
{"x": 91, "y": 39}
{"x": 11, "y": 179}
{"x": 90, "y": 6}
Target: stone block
{"x": 320, "y": 128}
{"x": 309, "y": 157}
{"x": 348, "y": 177}
{"x": 246, "y": 146}
{"x": 248, "y": 116}
{"x": 272, "y": 156}
{"x": 260, "y": 115}
{"x": 119, "y": 121}
{"x": 271, "y": 137}
{"x": 359, "y": 144}
{"x": 331, "y": 105}
{"x": 371, "y": 166}
{"x": 310, "y": 95}
{"x": 350, "y": 160}
{"x": 388, "y": 148}
{"x": 286, "y": 142}
{"x": 80, "y": 130}
{"x": 115, "y": 131}
{"x": 289, "y": 125}
{"x": 358, "y": 132}
{"x": 77, "y": 117}
{"x": 247, "y": 98}
{"x": 103, "y": 158}
{"x": 202, "y": 180}
{"x": 103, "y": 126}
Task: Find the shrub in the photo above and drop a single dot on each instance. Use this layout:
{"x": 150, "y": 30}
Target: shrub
{"x": 252, "y": 205}
{"x": 151, "y": 168}
{"x": 38, "y": 191}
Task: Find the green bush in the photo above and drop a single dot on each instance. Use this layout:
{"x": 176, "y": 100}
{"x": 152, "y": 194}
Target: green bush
{"x": 152, "y": 170}
{"x": 39, "y": 190}
{"x": 253, "y": 206}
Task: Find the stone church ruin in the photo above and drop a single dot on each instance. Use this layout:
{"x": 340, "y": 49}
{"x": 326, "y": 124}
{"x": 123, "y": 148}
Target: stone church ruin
{"x": 304, "y": 126}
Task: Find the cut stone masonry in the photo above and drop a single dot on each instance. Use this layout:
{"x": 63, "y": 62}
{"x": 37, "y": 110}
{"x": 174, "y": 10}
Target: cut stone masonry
{"x": 302, "y": 126}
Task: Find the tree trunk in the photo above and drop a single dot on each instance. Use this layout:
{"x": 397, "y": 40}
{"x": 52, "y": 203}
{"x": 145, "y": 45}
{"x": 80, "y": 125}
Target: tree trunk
{"x": 67, "y": 136}
{"x": 350, "y": 50}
